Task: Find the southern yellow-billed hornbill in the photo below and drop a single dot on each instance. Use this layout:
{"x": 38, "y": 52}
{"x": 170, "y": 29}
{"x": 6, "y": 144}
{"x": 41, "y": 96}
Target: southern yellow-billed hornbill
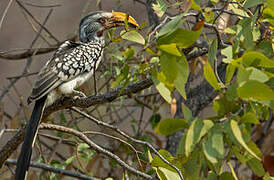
{"x": 71, "y": 65}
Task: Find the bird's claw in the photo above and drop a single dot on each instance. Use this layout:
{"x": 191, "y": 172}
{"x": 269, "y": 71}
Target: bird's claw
{"x": 79, "y": 94}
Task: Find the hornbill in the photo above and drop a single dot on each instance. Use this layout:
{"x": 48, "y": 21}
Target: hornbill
{"x": 71, "y": 65}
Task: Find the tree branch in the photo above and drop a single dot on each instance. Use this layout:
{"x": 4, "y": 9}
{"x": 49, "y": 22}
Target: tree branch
{"x": 53, "y": 169}
{"x": 94, "y": 146}
{"x": 115, "y": 128}
{"x": 31, "y": 52}
{"x": 67, "y": 102}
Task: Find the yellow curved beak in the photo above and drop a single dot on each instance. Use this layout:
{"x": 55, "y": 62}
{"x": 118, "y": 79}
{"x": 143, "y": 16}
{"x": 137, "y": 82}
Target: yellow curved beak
{"x": 119, "y": 17}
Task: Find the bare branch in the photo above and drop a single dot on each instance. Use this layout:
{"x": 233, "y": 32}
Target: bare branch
{"x": 5, "y": 13}
{"x": 42, "y": 26}
{"x": 68, "y": 102}
{"x": 115, "y": 128}
{"x": 41, "y": 6}
{"x": 93, "y": 145}
{"x": 6, "y": 90}
{"x": 31, "y": 51}
{"x": 53, "y": 169}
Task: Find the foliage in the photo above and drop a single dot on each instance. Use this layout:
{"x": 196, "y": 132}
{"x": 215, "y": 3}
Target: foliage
{"x": 245, "y": 96}
{"x": 189, "y": 43}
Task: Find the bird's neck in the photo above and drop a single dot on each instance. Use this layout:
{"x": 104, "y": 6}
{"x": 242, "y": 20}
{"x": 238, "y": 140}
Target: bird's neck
{"x": 99, "y": 40}
{"x": 95, "y": 39}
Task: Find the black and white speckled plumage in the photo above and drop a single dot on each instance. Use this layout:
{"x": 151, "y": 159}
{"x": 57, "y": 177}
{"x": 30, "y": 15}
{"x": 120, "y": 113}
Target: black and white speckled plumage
{"x": 71, "y": 60}
{"x": 71, "y": 66}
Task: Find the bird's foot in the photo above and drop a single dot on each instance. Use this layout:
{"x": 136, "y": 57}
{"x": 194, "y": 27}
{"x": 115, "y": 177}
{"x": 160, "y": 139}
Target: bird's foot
{"x": 79, "y": 94}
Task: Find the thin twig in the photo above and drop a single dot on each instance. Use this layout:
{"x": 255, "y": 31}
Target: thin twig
{"x": 118, "y": 139}
{"x": 23, "y": 75}
{"x": 93, "y": 145}
{"x": 8, "y": 55}
{"x": 53, "y": 169}
{"x": 115, "y": 128}
{"x": 42, "y": 26}
{"x": 6, "y": 90}
{"x": 68, "y": 102}
{"x": 5, "y": 13}
{"x": 41, "y": 6}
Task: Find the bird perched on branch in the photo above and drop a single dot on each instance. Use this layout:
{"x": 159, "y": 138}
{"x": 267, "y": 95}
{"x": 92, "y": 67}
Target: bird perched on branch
{"x": 71, "y": 65}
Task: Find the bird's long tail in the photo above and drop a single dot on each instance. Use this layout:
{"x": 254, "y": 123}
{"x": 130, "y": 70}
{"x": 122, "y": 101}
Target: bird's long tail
{"x": 32, "y": 129}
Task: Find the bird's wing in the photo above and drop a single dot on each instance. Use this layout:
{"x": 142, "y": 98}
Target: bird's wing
{"x": 49, "y": 77}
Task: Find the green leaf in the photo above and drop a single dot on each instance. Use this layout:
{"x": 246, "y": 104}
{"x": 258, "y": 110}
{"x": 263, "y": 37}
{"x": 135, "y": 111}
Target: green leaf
{"x": 154, "y": 60}
{"x": 249, "y": 117}
{"x": 209, "y": 15}
{"x": 270, "y": 4}
{"x": 231, "y": 93}
{"x": 195, "y": 132}
{"x": 209, "y": 153}
{"x": 157, "y": 162}
{"x": 170, "y": 48}
{"x": 154, "y": 120}
{"x": 183, "y": 71}
{"x": 242, "y": 75}
{"x": 187, "y": 113}
{"x": 217, "y": 142}
{"x": 181, "y": 146}
{"x": 160, "y": 174}
{"x": 256, "y": 166}
{"x": 170, "y": 126}
{"x": 167, "y": 174}
{"x": 133, "y": 36}
{"x": 192, "y": 168}
{"x": 117, "y": 81}
{"x": 230, "y": 70}
{"x": 172, "y": 25}
{"x": 129, "y": 53}
{"x": 251, "y": 3}
{"x": 226, "y": 176}
{"x": 214, "y": 146}
{"x": 266, "y": 48}
{"x": 211, "y": 176}
{"x": 268, "y": 177}
{"x": 237, "y": 10}
{"x": 238, "y": 135}
{"x": 210, "y": 76}
{"x": 248, "y": 42}
{"x": 159, "y": 8}
{"x": 255, "y": 149}
{"x": 228, "y": 53}
{"x": 242, "y": 157}
{"x": 195, "y": 6}
{"x": 163, "y": 90}
{"x": 255, "y": 90}
{"x": 150, "y": 158}
{"x": 69, "y": 160}
{"x": 257, "y": 75}
{"x": 192, "y": 136}
{"x": 269, "y": 14}
{"x": 169, "y": 67}
{"x": 212, "y": 52}
{"x": 222, "y": 106}
{"x": 182, "y": 37}
{"x": 123, "y": 75}
{"x": 256, "y": 59}
{"x": 231, "y": 30}
{"x": 82, "y": 147}
{"x": 63, "y": 118}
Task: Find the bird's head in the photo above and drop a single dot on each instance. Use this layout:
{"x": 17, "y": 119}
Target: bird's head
{"x": 94, "y": 24}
